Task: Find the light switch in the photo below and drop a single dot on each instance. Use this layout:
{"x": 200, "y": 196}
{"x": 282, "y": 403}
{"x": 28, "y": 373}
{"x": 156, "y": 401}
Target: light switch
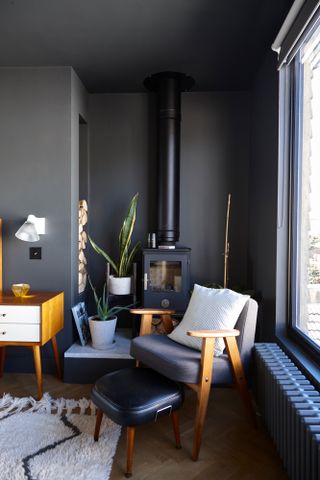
{"x": 35, "y": 253}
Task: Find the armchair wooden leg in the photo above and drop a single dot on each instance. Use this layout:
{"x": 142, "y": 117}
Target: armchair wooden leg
{"x": 203, "y": 392}
{"x": 130, "y": 445}
{"x": 2, "y": 359}
{"x": 176, "y": 429}
{"x": 202, "y": 404}
{"x": 98, "y": 425}
{"x": 167, "y": 323}
{"x": 239, "y": 375}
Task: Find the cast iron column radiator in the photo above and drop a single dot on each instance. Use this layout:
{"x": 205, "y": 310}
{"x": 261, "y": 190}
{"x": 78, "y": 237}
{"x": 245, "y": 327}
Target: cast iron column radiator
{"x": 290, "y": 407}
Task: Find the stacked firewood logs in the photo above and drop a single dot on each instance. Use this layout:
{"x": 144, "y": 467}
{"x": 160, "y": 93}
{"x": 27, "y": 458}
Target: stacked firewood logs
{"x": 83, "y": 238}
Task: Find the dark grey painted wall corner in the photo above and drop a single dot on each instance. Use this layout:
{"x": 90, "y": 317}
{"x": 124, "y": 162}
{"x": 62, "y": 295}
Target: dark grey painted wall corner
{"x": 37, "y": 141}
{"x": 215, "y": 154}
{"x": 120, "y": 166}
{"x": 117, "y": 149}
{"x": 215, "y": 151}
{"x": 263, "y": 194}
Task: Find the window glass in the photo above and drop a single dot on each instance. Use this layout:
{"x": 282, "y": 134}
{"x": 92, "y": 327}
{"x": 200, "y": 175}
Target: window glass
{"x": 165, "y": 276}
{"x": 306, "y": 191}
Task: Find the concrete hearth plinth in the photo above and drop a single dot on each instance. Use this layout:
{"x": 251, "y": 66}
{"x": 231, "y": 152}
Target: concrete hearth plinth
{"x": 84, "y": 364}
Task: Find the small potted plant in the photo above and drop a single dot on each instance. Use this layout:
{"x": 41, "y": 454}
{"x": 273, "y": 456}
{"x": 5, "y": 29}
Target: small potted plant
{"x": 103, "y": 324}
{"x": 120, "y": 282}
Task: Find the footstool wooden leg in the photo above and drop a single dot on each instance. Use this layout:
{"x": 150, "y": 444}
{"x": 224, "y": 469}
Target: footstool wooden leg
{"x": 98, "y": 424}
{"x": 175, "y": 424}
{"x": 130, "y": 444}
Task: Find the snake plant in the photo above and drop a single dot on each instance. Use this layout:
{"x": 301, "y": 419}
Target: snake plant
{"x": 104, "y": 312}
{"x": 122, "y": 266}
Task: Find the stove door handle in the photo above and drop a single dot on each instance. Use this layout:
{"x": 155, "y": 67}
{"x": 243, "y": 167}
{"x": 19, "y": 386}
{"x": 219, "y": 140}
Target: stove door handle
{"x": 145, "y": 281}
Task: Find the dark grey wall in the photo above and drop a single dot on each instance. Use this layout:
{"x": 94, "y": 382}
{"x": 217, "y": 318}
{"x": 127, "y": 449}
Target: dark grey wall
{"x": 215, "y": 152}
{"x": 263, "y": 194}
{"x": 120, "y": 165}
{"x": 39, "y": 175}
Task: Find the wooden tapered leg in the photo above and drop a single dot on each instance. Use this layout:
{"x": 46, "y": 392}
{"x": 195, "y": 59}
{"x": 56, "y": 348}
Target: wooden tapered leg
{"x": 176, "y": 429}
{"x": 130, "y": 445}
{"x": 239, "y": 375}
{"x": 146, "y": 324}
{"x": 98, "y": 424}
{"x": 167, "y": 323}
{"x": 2, "y": 359}
{"x": 38, "y": 368}
{"x": 56, "y": 356}
{"x": 203, "y": 392}
{"x": 202, "y": 404}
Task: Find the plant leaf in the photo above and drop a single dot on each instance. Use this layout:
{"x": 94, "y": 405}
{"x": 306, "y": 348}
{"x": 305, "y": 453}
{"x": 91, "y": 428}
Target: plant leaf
{"x": 101, "y": 303}
{"x": 104, "y": 299}
{"x": 133, "y": 253}
{"x": 116, "y": 309}
{"x": 94, "y": 291}
{"x": 104, "y": 254}
{"x": 126, "y": 234}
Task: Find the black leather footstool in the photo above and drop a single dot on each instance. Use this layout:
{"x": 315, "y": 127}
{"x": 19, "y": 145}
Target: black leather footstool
{"x": 133, "y": 396}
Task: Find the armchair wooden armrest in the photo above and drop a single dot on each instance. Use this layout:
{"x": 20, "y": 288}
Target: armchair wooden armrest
{"x": 146, "y": 319}
{"x": 214, "y": 333}
{"x": 151, "y": 311}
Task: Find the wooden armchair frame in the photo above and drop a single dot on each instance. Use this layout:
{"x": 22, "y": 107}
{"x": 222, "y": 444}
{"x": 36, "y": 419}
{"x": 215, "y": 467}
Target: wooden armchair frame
{"x": 202, "y": 388}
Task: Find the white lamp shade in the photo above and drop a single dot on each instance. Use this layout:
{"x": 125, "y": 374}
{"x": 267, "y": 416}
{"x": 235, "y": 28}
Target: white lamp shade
{"x": 29, "y": 231}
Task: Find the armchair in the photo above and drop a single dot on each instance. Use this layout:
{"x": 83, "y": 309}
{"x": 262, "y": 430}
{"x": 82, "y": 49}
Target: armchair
{"x": 194, "y": 368}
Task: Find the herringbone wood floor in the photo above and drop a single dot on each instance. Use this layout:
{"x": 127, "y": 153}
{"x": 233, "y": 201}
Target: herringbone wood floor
{"x": 231, "y": 450}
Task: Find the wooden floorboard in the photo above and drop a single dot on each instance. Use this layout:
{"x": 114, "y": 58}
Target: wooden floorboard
{"x": 232, "y": 449}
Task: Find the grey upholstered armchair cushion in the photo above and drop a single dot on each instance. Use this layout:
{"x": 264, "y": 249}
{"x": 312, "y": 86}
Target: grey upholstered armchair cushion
{"x": 182, "y": 364}
{"x": 176, "y": 361}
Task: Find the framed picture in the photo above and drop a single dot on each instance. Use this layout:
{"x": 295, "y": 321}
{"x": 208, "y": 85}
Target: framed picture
{"x": 81, "y": 319}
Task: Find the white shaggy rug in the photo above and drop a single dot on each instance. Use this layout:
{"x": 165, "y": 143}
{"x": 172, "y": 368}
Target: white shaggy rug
{"x": 45, "y": 441}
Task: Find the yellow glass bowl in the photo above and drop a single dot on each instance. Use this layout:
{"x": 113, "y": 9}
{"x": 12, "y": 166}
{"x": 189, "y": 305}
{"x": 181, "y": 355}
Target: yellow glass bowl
{"x": 20, "y": 289}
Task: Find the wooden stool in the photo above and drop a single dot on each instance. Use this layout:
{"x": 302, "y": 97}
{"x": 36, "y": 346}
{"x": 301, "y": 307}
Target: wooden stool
{"x": 134, "y": 396}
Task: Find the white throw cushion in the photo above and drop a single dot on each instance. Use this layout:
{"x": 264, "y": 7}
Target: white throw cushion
{"x": 209, "y": 309}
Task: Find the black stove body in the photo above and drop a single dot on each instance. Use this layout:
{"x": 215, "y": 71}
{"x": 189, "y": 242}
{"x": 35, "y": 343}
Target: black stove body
{"x": 166, "y": 278}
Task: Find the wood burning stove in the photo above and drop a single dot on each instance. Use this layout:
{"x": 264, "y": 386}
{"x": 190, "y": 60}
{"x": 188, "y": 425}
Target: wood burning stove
{"x": 166, "y": 278}
{"x": 166, "y": 269}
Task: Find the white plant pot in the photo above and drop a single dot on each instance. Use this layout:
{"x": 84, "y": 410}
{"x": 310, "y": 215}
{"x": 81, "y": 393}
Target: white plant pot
{"x": 102, "y": 332}
{"x": 119, "y": 285}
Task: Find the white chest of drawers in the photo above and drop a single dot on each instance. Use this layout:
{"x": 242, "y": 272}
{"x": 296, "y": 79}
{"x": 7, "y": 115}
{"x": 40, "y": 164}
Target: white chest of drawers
{"x": 31, "y": 321}
{"x": 19, "y": 324}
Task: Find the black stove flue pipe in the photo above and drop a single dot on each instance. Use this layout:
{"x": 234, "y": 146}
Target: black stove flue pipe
{"x": 168, "y": 86}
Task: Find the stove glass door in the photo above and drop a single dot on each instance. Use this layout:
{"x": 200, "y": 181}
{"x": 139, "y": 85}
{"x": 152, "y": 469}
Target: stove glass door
{"x": 165, "y": 276}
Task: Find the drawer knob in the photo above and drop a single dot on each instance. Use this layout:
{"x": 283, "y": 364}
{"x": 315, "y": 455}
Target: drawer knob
{"x": 3, "y": 333}
{"x": 3, "y": 314}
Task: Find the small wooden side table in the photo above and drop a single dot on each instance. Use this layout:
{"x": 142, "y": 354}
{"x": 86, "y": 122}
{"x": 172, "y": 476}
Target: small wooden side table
{"x": 31, "y": 321}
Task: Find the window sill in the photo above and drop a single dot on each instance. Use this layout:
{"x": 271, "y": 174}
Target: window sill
{"x": 302, "y": 360}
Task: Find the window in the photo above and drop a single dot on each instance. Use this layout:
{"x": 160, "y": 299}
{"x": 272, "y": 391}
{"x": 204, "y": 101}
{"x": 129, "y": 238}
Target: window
{"x": 304, "y": 109}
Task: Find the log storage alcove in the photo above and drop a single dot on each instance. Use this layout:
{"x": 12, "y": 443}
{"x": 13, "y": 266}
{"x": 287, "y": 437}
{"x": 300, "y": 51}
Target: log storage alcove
{"x": 83, "y": 238}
